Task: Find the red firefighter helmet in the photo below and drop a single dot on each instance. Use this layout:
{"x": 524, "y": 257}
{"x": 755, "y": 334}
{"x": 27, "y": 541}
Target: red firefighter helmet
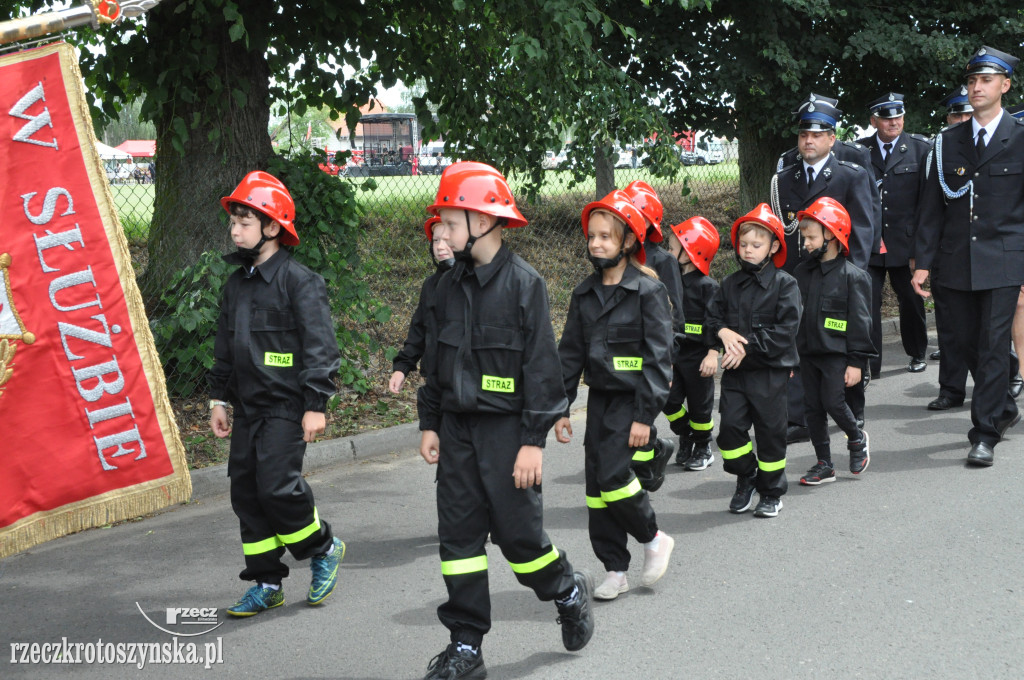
{"x": 619, "y": 204}
{"x": 469, "y": 185}
{"x": 764, "y": 216}
{"x": 830, "y": 213}
{"x": 700, "y": 240}
{"x": 428, "y": 226}
{"x": 646, "y": 199}
{"x": 265, "y": 193}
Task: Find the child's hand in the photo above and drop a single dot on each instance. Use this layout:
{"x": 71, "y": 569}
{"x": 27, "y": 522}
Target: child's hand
{"x": 709, "y": 365}
{"x": 853, "y": 376}
{"x": 396, "y": 382}
{"x": 313, "y": 423}
{"x": 528, "y": 465}
{"x": 219, "y": 421}
{"x": 735, "y": 349}
{"x": 639, "y": 434}
{"x": 563, "y": 430}
{"x": 430, "y": 446}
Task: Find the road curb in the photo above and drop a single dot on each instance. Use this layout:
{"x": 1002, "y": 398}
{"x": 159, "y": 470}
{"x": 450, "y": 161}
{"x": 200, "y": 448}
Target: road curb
{"x": 400, "y": 439}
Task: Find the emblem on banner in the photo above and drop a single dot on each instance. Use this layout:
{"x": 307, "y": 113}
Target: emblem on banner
{"x": 11, "y": 327}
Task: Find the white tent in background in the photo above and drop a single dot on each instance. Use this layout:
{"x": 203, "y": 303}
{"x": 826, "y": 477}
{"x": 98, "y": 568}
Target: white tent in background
{"x": 109, "y": 153}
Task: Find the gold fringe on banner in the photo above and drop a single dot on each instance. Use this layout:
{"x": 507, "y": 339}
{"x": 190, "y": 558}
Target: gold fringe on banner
{"x": 147, "y": 497}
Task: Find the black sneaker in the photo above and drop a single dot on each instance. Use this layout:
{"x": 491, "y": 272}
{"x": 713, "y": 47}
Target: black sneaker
{"x": 684, "y": 452}
{"x": 768, "y": 507}
{"x": 860, "y": 454}
{"x": 662, "y": 455}
{"x": 701, "y": 458}
{"x": 577, "y": 618}
{"x": 452, "y": 664}
{"x": 744, "y": 496}
{"x": 796, "y": 434}
{"x": 821, "y": 473}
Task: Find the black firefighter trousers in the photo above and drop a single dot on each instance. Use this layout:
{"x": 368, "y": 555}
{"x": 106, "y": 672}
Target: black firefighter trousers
{"x": 616, "y": 503}
{"x": 476, "y": 494}
{"x": 755, "y": 397}
{"x": 698, "y": 392}
{"x": 273, "y": 502}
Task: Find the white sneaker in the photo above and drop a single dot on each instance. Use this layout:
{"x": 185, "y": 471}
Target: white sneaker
{"x": 656, "y": 561}
{"x": 614, "y": 584}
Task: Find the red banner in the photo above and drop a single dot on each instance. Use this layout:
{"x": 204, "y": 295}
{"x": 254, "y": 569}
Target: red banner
{"x": 87, "y": 436}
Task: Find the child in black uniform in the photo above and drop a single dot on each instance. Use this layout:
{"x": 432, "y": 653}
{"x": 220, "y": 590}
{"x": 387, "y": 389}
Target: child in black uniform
{"x": 420, "y": 337}
{"x": 491, "y": 396}
{"x": 618, "y": 335}
{"x": 694, "y": 243}
{"x": 756, "y": 314}
{"x": 275, "y": 357}
{"x": 835, "y": 334}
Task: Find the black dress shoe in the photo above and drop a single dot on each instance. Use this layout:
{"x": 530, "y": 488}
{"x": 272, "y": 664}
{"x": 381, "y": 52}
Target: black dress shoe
{"x": 916, "y": 365}
{"x": 1007, "y": 424}
{"x": 981, "y": 454}
{"x": 1016, "y": 386}
{"x": 797, "y": 433}
{"x": 936, "y": 355}
{"x": 943, "y": 403}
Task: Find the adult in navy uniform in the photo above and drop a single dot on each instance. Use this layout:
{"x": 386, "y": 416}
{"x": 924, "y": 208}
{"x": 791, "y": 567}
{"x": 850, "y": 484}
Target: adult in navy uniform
{"x": 819, "y": 173}
{"x": 844, "y": 150}
{"x": 974, "y": 198}
{"x": 897, "y": 161}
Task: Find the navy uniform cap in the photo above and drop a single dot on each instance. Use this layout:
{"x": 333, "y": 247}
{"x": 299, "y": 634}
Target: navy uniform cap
{"x": 1016, "y": 111}
{"x": 811, "y": 99}
{"x": 819, "y": 115}
{"x": 957, "y": 101}
{"x": 989, "y": 60}
{"x": 889, "y": 105}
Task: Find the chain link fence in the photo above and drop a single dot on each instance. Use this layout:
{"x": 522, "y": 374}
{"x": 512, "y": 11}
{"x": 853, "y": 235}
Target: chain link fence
{"x": 394, "y": 247}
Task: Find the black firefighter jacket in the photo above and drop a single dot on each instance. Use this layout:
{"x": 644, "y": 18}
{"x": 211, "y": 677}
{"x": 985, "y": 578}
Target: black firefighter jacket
{"x": 764, "y": 308}
{"x": 898, "y": 179}
{"x": 422, "y": 336}
{"x": 621, "y": 345}
{"x": 698, "y": 289}
{"x": 276, "y": 353}
{"x": 837, "y": 310}
{"x": 496, "y": 351}
{"x": 667, "y": 269}
{"x": 975, "y": 244}
{"x": 849, "y": 184}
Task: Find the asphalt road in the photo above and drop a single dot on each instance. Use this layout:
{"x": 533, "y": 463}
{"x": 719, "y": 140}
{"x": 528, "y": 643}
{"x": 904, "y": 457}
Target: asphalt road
{"x": 915, "y": 569}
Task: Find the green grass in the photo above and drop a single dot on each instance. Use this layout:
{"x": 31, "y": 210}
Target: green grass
{"x": 134, "y": 204}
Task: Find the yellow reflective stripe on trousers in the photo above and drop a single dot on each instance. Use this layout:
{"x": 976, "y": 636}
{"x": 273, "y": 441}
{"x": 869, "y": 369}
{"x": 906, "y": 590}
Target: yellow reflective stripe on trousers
{"x": 631, "y": 489}
{"x": 537, "y": 564}
{"x": 703, "y": 427}
{"x": 304, "y": 532}
{"x": 771, "y": 467}
{"x": 677, "y": 415}
{"x": 465, "y": 566}
{"x": 729, "y": 454}
{"x": 596, "y": 502}
{"x": 260, "y": 547}
{"x": 643, "y": 456}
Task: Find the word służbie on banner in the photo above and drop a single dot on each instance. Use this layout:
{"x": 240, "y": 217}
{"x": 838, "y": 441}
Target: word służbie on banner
{"x": 87, "y": 435}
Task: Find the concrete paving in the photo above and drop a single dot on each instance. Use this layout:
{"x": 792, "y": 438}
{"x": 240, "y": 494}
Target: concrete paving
{"x": 914, "y": 569}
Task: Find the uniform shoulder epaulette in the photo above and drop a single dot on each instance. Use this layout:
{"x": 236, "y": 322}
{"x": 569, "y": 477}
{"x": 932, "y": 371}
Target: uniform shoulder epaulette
{"x": 783, "y": 169}
{"x": 954, "y": 126}
{"x": 855, "y": 145}
{"x": 855, "y": 166}
{"x": 920, "y": 138}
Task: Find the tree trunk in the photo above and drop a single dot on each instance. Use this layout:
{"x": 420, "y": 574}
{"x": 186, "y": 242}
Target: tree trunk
{"x": 229, "y": 141}
{"x": 758, "y": 159}
{"x": 604, "y": 173}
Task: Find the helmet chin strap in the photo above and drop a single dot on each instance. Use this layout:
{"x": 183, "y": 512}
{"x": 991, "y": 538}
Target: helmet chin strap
{"x": 819, "y": 253}
{"x": 464, "y": 254}
{"x": 249, "y": 255}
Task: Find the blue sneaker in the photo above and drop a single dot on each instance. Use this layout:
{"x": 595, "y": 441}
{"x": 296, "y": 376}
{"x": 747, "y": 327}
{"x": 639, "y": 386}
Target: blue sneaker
{"x": 325, "y": 573}
{"x": 256, "y": 599}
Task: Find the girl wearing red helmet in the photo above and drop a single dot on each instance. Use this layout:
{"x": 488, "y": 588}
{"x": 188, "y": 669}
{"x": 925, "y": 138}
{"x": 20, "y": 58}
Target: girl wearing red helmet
{"x": 693, "y": 243}
{"x": 755, "y": 314}
{"x": 618, "y": 337}
{"x": 491, "y": 395}
{"x": 421, "y": 338}
{"x": 834, "y": 340}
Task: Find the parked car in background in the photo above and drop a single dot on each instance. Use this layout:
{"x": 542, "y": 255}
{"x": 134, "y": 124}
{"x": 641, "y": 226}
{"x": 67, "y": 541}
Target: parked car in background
{"x": 552, "y": 160}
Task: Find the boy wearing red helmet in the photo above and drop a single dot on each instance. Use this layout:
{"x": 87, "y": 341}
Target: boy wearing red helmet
{"x": 694, "y": 244}
{"x": 275, "y": 357}
{"x": 618, "y": 335}
{"x": 491, "y": 396}
{"x": 834, "y": 340}
{"x": 755, "y": 314}
{"x": 421, "y": 338}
